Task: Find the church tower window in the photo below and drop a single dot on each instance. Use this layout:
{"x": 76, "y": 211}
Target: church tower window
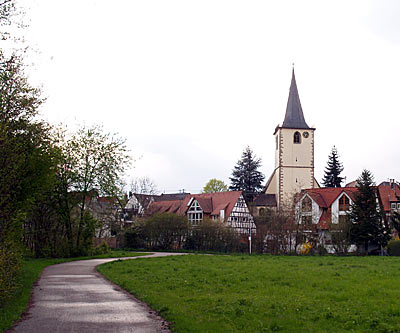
{"x": 296, "y": 137}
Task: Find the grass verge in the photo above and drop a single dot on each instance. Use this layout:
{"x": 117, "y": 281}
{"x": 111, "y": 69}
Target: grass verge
{"x": 266, "y": 293}
{"x": 31, "y": 269}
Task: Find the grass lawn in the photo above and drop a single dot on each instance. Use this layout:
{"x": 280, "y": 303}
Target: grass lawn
{"x": 31, "y": 270}
{"x": 198, "y": 293}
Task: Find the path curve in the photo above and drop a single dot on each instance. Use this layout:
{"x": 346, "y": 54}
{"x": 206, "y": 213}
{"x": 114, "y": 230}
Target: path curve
{"x": 74, "y": 297}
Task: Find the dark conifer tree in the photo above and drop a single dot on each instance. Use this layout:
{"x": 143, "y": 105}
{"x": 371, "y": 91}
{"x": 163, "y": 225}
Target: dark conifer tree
{"x": 366, "y": 215}
{"x": 333, "y": 170}
{"x": 245, "y": 175}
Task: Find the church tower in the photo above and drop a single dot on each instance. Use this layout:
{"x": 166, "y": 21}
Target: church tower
{"x": 294, "y": 152}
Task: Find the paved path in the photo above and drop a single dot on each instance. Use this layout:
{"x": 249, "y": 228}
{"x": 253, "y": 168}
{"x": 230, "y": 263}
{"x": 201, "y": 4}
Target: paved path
{"x": 74, "y": 297}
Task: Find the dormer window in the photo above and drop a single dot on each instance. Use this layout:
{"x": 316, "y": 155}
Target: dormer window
{"x": 306, "y": 205}
{"x": 344, "y": 203}
{"x": 195, "y": 213}
{"x": 296, "y": 137}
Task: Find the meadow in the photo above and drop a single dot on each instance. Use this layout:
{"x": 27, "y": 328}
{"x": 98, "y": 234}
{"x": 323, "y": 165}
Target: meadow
{"x": 200, "y": 293}
{"x": 30, "y": 271}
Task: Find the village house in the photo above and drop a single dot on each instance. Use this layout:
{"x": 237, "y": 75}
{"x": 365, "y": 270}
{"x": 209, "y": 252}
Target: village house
{"x": 228, "y": 207}
{"x": 138, "y": 204}
{"x": 389, "y": 194}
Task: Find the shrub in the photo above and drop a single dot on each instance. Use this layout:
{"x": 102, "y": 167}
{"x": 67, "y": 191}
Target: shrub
{"x": 214, "y": 236}
{"x": 393, "y": 248}
{"x": 10, "y": 263}
{"x": 102, "y": 248}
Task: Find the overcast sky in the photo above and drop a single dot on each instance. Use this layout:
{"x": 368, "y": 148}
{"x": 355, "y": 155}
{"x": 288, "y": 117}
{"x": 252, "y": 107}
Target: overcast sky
{"x": 190, "y": 83}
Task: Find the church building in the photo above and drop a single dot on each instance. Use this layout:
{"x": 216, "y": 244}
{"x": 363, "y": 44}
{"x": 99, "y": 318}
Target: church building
{"x": 294, "y": 153}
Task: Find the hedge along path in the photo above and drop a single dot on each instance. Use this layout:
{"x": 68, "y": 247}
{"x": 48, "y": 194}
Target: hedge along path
{"x": 74, "y": 297}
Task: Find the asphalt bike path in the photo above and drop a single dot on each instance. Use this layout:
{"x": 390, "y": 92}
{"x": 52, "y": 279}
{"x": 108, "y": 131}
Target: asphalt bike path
{"x": 74, "y": 297}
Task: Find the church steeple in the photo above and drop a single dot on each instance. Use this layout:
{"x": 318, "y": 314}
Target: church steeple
{"x": 294, "y": 117}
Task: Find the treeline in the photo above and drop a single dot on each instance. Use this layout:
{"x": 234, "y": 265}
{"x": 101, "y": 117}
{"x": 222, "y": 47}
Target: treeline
{"x": 48, "y": 178}
{"x": 169, "y": 231}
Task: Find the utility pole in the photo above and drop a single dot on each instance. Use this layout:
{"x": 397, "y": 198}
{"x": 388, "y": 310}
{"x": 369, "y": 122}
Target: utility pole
{"x": 249, "y": 237}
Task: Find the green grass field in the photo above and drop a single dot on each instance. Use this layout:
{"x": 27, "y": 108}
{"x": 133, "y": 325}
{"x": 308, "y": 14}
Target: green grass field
{"x": 198, "y": 293}
{"x": 31, "y": 270}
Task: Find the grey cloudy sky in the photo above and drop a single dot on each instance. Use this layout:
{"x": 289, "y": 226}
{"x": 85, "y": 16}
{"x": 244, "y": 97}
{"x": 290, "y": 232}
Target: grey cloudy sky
{"x": 191, "y": 83}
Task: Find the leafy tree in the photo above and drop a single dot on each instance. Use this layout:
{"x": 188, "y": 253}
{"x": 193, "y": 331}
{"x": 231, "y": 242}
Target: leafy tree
{"x": 245, "y": 175}
{"x": 27, "y": 165}
{"x": 93, "y": 163}
{"x": 333, "y": 170}
{"x": 395, "y": 220}
{"x": 366, "y": 215}
{"x": 215, "y": 185}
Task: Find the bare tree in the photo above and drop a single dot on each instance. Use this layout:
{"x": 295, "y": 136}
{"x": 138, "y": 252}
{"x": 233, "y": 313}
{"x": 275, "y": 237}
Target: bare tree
{"x": 143, "y": 185}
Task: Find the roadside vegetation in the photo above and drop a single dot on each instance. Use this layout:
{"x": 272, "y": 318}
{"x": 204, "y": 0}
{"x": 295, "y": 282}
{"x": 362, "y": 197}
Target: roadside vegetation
{"x": 31, "y": 268}
{"x": 198, "y": 293}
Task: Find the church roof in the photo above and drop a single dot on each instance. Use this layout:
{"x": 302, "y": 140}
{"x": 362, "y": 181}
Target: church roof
{"x": 294, "y": 117}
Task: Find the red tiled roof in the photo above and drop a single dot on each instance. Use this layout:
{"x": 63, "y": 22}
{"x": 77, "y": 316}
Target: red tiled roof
{"x": 210, "y": 203}
{"x": 388, "y": 194}
{"x": 325, "y": 196}
{"x": 265, "y": 200}
{"x": 325, "y": 220}
{"x": 164, "y": 207}
{"x": 217, "y": 199}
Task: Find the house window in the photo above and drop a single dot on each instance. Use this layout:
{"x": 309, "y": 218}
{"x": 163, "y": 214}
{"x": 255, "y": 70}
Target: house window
{"x": 195, "y": 213}
{"x": 306, "y": 220}
{"x": 344, "y": 203}
{"x": 398, "y": 206}
{"x": 296, "y": 137}
{"x": 306, "y": 205}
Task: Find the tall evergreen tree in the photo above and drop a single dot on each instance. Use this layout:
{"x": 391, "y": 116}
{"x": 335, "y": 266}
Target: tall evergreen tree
{"x": 245, "y": 175}
{"x": 333, "y": 170}
{"x": 368, "y": 225}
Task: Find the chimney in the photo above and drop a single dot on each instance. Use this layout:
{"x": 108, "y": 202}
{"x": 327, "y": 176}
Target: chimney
{"x": 392, "y": 183}
{"x": 130, "y": 194}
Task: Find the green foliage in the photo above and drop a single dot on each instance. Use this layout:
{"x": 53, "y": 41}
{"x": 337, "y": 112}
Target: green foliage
{"x": 368, "y": 225}
{"x": 93, "y": 162}
{"x": 245, "y": 175}
{"x": 332, "y": 171}
{"x": 395, "y": 220}
{"x": 26, "y": 162}
{"x": 199, "y": 293}
{"x": 89, "y": 163}
{"x": 212, "y": 236}
{"x": 10, "y": 259}
{"x": 215, "y": 185}
{"x": 393, "y": 248}
{"x": 167, "y": 231}
{"x": 102, "y": 248}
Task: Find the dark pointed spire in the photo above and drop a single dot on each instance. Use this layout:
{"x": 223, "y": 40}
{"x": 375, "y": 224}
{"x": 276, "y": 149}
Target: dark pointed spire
{"x": 294, "y": 117}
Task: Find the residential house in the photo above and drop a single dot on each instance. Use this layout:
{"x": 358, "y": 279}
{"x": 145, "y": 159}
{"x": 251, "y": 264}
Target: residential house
{"x": 389, "y": 195}
{"x": 320, "y": 211}
{"x": 138, "y": 204}
{"x": 228, "y": 207}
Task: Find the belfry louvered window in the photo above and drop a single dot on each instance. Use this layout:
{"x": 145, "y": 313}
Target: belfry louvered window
{"x": 296, "y": 137}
